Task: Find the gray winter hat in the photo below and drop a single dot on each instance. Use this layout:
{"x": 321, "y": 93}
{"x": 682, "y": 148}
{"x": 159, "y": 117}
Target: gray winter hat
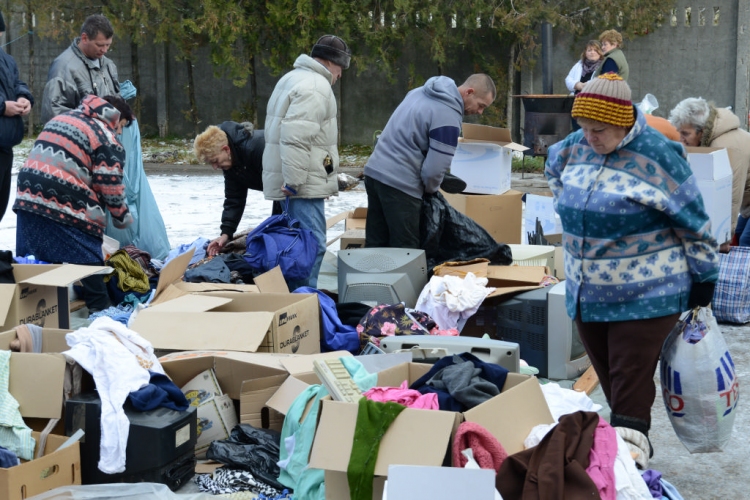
{"x": 332, "y": 48}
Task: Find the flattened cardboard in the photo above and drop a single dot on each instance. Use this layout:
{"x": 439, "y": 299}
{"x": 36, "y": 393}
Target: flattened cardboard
{"x": 714, "y": 175}
{"x": 54, "y": 469}
{"x": 499, "y": 214}
{"x": 40, "y": 294}
{"x": 272, "y": 281}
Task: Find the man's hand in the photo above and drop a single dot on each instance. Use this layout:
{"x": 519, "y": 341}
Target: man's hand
{"x": 287, "y": 192}
{"x": 26, "y": 104}
{"x": 13, "y": 108}
{"x": 217, "y": 245}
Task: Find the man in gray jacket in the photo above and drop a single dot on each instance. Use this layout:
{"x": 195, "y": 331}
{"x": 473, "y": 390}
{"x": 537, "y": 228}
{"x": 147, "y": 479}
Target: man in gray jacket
{"x": 301, "y": 157}
{"x": 413, "y": 154}
{"x": 82, "y": 69}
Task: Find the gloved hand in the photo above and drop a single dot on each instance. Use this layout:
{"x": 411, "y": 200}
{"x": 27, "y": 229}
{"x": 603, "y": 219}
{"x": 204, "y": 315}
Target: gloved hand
{"x": 701, "y": 295}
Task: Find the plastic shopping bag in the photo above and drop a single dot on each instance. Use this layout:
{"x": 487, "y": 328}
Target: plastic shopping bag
{"x": 699, "y": 382}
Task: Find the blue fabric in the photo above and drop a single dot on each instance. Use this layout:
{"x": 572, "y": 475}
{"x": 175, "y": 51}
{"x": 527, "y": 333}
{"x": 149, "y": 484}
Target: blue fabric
{"x": 652, "y": 478}
{"x": 669, "y": 491}
{"x": 159, "y": 392}
{"x": 636, "y": 234}
{"x": 147, "y": 232}
{"x": 731, "y": 301}
{"x": 128, "y": 90}
{"x": 294, "y": 244}
{"x": 491, "y": 372}
{"x": 118, "y": 296}
{"x": 7, "y": 458}
{"x": 336, "y": 335}
{"x": 199, "y": 245}
{"x": 30, "y": 259}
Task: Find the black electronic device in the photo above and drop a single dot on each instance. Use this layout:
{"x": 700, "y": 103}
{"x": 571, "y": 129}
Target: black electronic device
{"x": 160, "y": 448}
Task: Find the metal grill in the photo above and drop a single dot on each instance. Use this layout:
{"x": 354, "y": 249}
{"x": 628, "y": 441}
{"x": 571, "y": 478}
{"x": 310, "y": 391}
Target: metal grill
{"x": 546, "y": 121}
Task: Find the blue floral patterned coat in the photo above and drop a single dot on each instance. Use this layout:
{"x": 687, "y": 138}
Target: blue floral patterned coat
{"x": 635, "y": 232}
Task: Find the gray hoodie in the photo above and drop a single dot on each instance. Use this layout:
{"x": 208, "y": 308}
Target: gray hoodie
{"x": 417, "y": 145}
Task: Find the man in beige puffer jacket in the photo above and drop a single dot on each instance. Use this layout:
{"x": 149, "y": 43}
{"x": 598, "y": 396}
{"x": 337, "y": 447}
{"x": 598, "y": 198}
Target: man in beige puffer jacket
{"x": 301, "y": 158}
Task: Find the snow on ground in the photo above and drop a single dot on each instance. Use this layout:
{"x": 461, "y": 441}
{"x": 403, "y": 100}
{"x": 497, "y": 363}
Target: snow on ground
{"x": 191, "y": 207}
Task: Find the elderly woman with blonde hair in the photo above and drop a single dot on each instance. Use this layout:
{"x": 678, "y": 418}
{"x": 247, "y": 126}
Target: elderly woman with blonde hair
{"x": 637, "y": 246}
{"x": 614, "y": 60}
{"x": 700, "y": 123}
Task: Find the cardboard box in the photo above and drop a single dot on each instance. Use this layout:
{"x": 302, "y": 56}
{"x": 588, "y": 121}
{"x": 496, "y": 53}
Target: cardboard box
{"x": 356, "y": 219}
{"x": 483, "y": 159}
{"x": 216, "y": 419}
{"x": 408, "y": 482}
{"x": 353, "y": 238}
{"x": 54, "y": 469}
{"x": 500, "y": 214}
{"x": 507, "y": 281}
{"x": 509, "y": 416}
{"x": 233, "y": 320}
{"x": 36, "y": 379}
{"x": 40, "y": 294}
{"x": 714, "y": 174}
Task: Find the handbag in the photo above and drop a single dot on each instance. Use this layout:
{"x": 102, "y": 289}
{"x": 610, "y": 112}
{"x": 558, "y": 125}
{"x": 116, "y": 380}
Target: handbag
{"x": 731, "y": 302}
{"x": 699, "y": 382}
{"x": 280, "y": 241}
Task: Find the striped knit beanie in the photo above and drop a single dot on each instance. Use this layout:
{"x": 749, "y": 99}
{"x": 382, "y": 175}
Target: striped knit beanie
{"x": 605, "y": 99}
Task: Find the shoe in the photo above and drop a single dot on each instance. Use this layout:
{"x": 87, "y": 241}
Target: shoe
{"x": 638, "y": 444}
{"x": 452, "y": 184}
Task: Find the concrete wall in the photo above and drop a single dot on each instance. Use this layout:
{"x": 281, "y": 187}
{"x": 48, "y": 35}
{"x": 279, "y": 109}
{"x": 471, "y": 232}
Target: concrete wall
{"x": 673, "y": 62}
{"x": 677, "y": 60}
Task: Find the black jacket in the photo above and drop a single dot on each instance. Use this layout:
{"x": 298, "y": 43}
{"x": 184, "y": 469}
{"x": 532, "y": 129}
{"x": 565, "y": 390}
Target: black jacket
{"x": 246, "y": 173}
{"x": 11, "y": 88}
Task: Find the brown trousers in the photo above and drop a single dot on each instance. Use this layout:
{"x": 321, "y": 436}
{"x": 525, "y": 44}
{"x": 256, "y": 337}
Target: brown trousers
{"x": 624, "y": 355}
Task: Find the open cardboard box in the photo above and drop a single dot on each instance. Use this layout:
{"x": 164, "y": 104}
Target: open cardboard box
{"x": 229, "y": 319}
{"x": 507, "y": 281}
{"x": 40, "y": 294}
{"x": 509, "y": 416}
{"x": 356, "y": 219}
{"x": 500, "y": 215}
{"x": 483, "y": 158}
{"x": 56, "y": 468}
{"x": 714, "y": 174}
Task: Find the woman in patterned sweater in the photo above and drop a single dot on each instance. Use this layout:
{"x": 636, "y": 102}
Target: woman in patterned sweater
{"x": 72, "y": 175}
{"x": 637, "y": 246}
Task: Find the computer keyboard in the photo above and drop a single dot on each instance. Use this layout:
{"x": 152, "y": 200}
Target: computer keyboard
{"x": 336, "y": 379}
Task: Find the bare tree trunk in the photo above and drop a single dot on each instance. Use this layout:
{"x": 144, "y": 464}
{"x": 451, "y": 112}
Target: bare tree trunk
{"x": 136, "y": 78}
{"x": 511, "y": 86}
{"x": 193, "y": 113}
{"x": 254, "y": 94}
{"x": 30, "y": 27}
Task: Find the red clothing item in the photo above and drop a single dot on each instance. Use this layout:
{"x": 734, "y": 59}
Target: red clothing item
{"x": 664, "y": 126}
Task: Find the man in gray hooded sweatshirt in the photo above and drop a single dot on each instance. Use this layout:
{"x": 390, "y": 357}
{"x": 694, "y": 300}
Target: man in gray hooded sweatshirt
{"x": 413, "y": 154}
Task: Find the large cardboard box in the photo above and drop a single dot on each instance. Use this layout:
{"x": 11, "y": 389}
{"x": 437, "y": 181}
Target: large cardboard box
{"x": 714, "y": 174}
{"x": 483, "y": 159}
{"x": 356, "y": 219}
{"x": 225, "y": 319}
{"x": 509, "y": 416}
{"x": 500, "y": 214}
{"x": 353, "y": 238}
{"x": 56, "y": 468}
{"x": 40, "y": 294}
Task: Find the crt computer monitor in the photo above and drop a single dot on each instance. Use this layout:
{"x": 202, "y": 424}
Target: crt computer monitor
{"x": 538, "y": 321}
{"x": 381, "y": 275}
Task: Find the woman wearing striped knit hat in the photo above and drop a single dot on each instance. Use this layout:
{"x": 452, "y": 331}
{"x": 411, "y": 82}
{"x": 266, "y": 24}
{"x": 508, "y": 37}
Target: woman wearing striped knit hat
{"x": 637, "y": 245}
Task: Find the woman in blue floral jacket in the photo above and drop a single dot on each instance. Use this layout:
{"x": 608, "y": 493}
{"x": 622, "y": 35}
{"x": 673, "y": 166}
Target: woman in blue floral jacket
{"x": 637, "y": 246}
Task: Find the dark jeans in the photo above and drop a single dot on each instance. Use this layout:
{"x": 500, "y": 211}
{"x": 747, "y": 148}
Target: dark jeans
{"x": 392, "y": 217}
{"x": 624, "y": 355}
{"x": 743, "y": 231}
{"x": 6, "y": 165}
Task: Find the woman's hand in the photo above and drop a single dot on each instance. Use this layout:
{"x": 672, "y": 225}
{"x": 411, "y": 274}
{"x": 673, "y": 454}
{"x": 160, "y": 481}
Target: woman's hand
{"x": 217, "y": 245}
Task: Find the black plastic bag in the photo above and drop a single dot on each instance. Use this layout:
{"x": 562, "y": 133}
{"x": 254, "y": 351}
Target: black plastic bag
{"x": 251, "y": 449}
{"x": 448, "y": 235}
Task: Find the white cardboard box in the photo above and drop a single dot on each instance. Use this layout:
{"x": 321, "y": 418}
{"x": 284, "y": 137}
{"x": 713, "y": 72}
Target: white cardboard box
{"x": 714, "y": 174}
{"x": 483, "y": 159}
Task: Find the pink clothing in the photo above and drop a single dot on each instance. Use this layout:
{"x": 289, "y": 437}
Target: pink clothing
{"x": 487, "y": 450}
{"x": 403, "y": 396}
{"x": 602, "y": 456}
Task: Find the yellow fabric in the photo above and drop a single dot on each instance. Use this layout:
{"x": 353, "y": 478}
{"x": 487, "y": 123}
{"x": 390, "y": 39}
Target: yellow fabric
{"x": 606, "y": 99}
{"x": 130, "y": 275}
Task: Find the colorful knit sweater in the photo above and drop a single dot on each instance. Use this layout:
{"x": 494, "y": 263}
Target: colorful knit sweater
{"x": 635, "y": 231}
{"x": 74, "y": 171}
